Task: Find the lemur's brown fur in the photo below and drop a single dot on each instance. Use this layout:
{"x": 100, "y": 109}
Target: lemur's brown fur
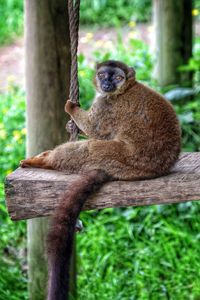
{"x": 133, "y": 134}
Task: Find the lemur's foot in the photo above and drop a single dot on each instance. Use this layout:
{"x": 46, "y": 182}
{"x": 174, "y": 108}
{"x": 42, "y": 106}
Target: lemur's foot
{"x": 71, "y": 126}
{"x": 37, "y": 161}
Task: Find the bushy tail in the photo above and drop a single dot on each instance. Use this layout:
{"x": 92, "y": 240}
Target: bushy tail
{"x": 60, "y": 237}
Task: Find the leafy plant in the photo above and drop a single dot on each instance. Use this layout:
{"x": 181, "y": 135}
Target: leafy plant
{"x": 194, "y": 64}
{"x": 11, "y": 21}
{"x": 112, "y": 13}
{"x": 196, "y": 9}
{"x": 13, "y": 279}
{"x": 187, "y": 103}
{"x": 189, "y": 116}
{"x": 98, "y": 12}
{"x": 12, "y": 129}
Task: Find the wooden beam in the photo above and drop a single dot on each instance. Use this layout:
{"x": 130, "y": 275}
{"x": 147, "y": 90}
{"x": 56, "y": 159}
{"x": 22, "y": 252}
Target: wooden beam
{"x": 34, "y": 193}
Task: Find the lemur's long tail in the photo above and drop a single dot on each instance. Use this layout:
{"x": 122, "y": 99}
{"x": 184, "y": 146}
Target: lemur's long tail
{"x": 60, "y": 237}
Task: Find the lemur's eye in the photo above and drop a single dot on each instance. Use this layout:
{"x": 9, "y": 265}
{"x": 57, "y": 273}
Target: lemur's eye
{"x": 101, "y": 75}
{"x": 119, "y": 77}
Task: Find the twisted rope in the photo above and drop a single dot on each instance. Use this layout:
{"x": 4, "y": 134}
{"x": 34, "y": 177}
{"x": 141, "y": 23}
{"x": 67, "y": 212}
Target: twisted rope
{"x": 73, "y": 12}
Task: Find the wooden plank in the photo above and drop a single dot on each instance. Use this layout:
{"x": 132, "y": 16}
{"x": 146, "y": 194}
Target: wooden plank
{"x": 34, "y": 193}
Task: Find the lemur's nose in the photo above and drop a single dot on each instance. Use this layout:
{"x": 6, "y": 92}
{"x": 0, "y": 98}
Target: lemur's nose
{"x": 106, "y": 85}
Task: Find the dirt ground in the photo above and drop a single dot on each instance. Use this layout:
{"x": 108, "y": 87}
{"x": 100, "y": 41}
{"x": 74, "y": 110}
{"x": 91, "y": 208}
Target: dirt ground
{"x": 12, "y": 60}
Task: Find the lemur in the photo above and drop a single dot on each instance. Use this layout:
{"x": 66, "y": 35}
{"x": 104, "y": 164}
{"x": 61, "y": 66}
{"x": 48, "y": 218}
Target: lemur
{"x": 133, "y": 134}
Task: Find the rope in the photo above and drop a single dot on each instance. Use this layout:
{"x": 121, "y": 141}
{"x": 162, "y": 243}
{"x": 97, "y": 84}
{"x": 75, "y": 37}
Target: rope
{"x": 73, "y": 12}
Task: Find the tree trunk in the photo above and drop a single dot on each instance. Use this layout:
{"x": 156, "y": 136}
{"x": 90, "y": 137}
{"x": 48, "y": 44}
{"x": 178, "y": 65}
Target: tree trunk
{"x": 47, "y": 88}
{"x": 173, "y": 26}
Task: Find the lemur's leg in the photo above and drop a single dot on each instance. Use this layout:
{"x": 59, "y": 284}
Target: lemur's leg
{"x": 109, "y": 155}
{"x": 38, "y": 161}
{"x": 73, "y": 157}
{"x": 66, "y": 157}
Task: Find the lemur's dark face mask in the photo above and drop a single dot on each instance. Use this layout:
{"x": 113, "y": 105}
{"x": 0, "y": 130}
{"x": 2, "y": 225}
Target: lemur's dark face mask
{"x": 110, "y": 79}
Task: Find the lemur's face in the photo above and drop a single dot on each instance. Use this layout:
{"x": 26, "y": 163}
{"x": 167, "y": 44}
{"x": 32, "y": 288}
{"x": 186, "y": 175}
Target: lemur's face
{"x": 109, "y": 79}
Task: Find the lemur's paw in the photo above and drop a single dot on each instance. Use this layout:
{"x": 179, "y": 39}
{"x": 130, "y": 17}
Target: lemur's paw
{"x": 37, "y": 161}
{"x": 25, "y": 163}
{"x": 70, "y": 106}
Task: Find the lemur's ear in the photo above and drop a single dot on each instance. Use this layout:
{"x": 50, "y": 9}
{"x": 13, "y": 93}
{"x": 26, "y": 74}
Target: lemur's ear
{"x": 97, "y": 66}
{"x": 131, "y": 73}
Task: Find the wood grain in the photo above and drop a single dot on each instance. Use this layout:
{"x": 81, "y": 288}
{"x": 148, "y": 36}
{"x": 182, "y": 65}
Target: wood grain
{"x": 34, "y": 193}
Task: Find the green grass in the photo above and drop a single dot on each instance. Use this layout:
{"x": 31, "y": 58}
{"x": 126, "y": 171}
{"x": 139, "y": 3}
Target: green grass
{"x": 123, "y": 254}
{"x": 140, "y": 253}
{"x": 13, "y": 279}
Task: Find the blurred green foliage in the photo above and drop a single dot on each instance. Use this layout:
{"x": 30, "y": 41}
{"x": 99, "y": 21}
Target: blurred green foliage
{"x": 194, "y": 65}
{"x": 11, "y": 20}
{"x": 112, "y": 13}
{"x": 13, "y": 281}
{"x": 12, "y": 129}
{"x": 196, "y": 10}
{"x": 93, "y": 12}
{"x": 189, "y": 116}
{"x": 99, "y": 12}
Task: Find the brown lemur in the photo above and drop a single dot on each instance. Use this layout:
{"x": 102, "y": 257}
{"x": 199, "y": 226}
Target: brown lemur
{"x": 133, "y": 134}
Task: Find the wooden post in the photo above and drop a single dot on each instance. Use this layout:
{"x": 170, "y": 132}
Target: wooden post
{"x": 47, "y": 88}
{"x": 173, "y": 27}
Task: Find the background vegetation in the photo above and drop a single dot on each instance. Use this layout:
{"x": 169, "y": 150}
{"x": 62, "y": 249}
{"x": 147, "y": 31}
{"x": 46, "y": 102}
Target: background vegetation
{"x": 93, "y": 12}
{"x": 11, "y": 20}
{"x": 124, "y": 254}
{"x": 110, "y": 13}
{"x": 12, "y": 235}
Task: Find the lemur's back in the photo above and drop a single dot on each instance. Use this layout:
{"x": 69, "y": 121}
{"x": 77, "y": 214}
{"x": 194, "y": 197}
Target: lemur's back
{"x": 144, "y": 121}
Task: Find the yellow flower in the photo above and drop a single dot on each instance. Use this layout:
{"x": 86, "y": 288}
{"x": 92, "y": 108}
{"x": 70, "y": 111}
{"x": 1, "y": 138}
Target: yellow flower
{"x": 9, "y": 171}
{"x": 2, "y": 134}
{"x": 24, "y": 131}
{"x": 195, "y": 12}
{"x": 87, "y": 38}
{"x": 5, "y": 110}
{"x": 89, "y": 35}
{"x": 150, "y": 29}
{"x": 108, "y": 44}
{"x": 132, "y": 24}
{"x": 16, "y": 135}
{"x": 11, "y": 79}
{"x": 99, "y": 43}
{"x": 131, "y": 35}
{"x": 82, "y": 73}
